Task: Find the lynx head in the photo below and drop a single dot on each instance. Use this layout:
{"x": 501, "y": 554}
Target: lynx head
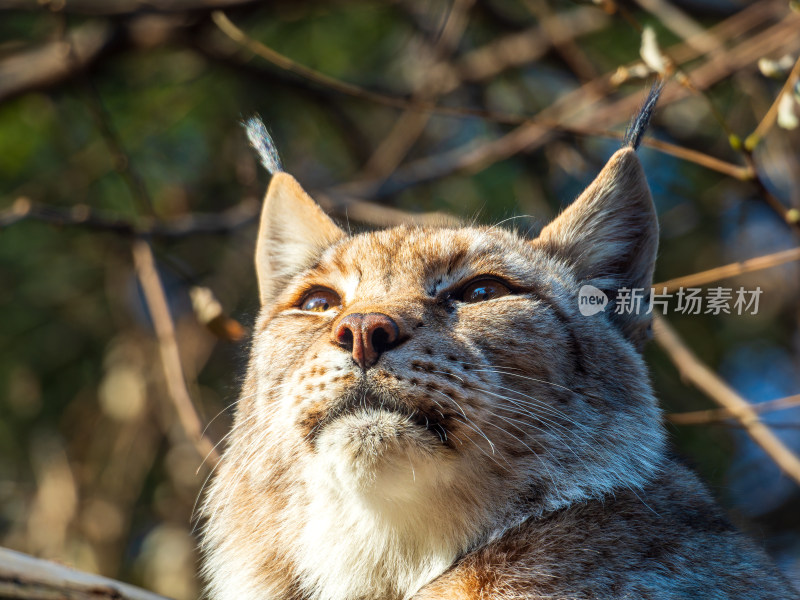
{"x": 430, "y": 387}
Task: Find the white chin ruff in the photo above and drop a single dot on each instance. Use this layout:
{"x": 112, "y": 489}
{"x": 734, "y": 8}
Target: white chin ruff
{"x": 376, "y": 451}
{"x": 378, "y": 523}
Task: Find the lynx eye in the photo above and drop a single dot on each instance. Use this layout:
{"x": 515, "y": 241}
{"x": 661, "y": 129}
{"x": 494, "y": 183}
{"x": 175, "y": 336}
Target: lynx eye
{"x": 320, "y": 300}
{"x": 483, "y": 289}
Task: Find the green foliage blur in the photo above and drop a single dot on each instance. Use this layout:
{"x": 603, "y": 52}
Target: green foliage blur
{"x": 95, "y": 470}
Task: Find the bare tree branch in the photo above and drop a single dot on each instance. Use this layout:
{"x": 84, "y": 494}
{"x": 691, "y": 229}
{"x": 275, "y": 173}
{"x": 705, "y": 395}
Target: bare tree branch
{"x": 168, "y": 347}
{"x": 53, "y": 62}
{"x": 517, "y": 49}
{"x": 578, "y": 112}
{"x": 431, "y": 85}
{"x": 708, "y": 382}
{"x": 771, "y": 115}
{"x": 83, "y": 216}
{"x": 702, "y": 417}
{"x": 23, "y": 577}
{"x": 731, "y": 270}
{"x": 349, "y": 89}
{"x": 491, "y": 59}
{"x": 229, "y": 221}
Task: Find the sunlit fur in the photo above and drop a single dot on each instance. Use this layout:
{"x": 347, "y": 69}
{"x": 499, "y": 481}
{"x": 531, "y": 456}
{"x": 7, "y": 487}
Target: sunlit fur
{"x": 497, "y": 452}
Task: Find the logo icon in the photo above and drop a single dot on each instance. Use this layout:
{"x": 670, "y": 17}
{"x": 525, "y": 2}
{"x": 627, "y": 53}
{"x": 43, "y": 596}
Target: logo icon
{"x": 591, "y": 300}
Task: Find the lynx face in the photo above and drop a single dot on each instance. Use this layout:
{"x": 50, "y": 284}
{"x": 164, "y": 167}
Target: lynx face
{"x": 414, "y": 392}
{"x": 473, "y": 368}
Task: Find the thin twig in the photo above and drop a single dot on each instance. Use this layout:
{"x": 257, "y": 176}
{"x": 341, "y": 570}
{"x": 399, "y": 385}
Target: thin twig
{"x": 168, "y": 348}
{"x": 237, "y": 35}
{"x": 694, "y": 371}
{"x": 730, "y": 270}
{"x": 771, "y": 115}
{"x": 742, "y": 173}
{"x": 84, "y": 216}
{"x": 702, "y": 417}
{"x": 121, "y": 160}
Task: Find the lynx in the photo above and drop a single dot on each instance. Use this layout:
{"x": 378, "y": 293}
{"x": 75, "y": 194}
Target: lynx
{"x": 427, "y": 415}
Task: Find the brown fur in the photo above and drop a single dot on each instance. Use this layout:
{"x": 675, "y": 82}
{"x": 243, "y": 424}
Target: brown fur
{"x": 503, "y": 449}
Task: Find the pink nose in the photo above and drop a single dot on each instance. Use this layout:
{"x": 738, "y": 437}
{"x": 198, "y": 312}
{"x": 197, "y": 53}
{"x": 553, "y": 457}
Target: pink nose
{"x": 366, "y": 336}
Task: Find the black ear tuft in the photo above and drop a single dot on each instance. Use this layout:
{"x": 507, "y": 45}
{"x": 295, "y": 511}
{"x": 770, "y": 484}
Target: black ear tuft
{"x": 637, "y": 127}
{"x": 262, "y": 142}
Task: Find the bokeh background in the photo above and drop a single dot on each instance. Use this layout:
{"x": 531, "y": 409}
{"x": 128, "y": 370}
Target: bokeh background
{"x": 119, "y": 128}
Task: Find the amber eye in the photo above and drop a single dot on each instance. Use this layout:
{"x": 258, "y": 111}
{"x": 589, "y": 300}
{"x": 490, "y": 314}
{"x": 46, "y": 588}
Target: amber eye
{"x": 320, "y": 300}
{"x": 484, "y": 289}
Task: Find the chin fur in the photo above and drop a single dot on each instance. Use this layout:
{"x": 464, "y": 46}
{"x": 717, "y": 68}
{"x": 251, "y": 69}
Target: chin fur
{"x": 381, "y": 454}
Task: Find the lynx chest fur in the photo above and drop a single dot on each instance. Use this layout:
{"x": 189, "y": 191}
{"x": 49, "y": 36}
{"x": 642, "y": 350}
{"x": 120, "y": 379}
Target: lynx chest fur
{"x": 427, "y": 414}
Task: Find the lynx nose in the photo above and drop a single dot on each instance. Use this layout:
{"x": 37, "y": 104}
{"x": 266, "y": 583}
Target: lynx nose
{"x": 366, "y": 336}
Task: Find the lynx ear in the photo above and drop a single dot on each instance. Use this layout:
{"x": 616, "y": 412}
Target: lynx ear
{"x": 293, "y": 233}
{"x": 609, "y": 235}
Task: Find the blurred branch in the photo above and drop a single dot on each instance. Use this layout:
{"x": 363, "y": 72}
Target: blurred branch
{"x": 524, "y": 47}
{"x": 482, "y": 63}
{"x": 119, "y": 7}
{"x": 478, "y": 65}
{"x": 742, "y": 173}
{"x": 779, "y": 37}
{"x": 771, "y": 115}
{"x": 708, "y": 382}
{"x": 283, "y": 62}
{"x": 562, "y": 40}
{"x": 571, "y": 113}
{"x": 430, "y": 85}
{"x": 24, "y": 577}
{"x": 702, "y": 417}
{"x": 258, "y": 48}
{"x": 734, "y": 27}
{"x": 150, "y": 281}
{"x": 170, "y": 358}
{"x": 82, "y": 215}
{"x": 53, "y": 62}
{"x": 229, "y": 221}
{"x": 684, "y": 26}
{"x": 731, "y": 270}
{"x": 122, "y": 162}
{"x": 790, "y": 216}
{"x": 376, "y": 214}
{"x": 474, "y": 157}
{"x": 225, "y": 52}
{"x": 679, "y": 23}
